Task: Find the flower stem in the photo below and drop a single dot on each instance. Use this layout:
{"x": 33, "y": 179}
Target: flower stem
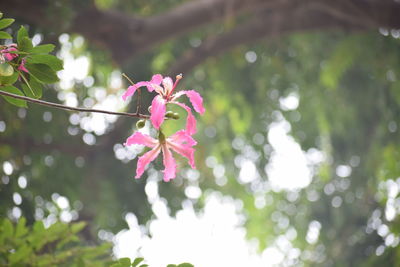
{"x": 60, "y": 106}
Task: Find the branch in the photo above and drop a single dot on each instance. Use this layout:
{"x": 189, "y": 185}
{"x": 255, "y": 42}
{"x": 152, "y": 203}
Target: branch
{"x": 249, "y": 32}
{"x": 193, "y": 14}
{"x": 126, "y": 35}
{"x": 269, "y": 23}
{"x": 60, "y": 106}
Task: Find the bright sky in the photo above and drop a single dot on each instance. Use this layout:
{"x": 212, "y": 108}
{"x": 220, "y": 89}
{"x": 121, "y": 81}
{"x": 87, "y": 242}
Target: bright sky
{"x": 212, "y": 237}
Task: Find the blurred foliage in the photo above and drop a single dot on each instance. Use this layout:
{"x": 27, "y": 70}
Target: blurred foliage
{"x": 349, "y": 104}
{"x": 57, "y": 245}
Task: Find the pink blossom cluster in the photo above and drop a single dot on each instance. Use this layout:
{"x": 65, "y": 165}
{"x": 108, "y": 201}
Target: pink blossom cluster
{"x": 5, "y": 53}
{"x": 182, "y": 141}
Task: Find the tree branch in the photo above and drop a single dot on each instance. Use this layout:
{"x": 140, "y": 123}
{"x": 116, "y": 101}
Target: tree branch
{"x": 60, "y": 106}
{"x": 305, "y": 16}
{"x": 194, "y": 14}
{"x": 126, "y": 35}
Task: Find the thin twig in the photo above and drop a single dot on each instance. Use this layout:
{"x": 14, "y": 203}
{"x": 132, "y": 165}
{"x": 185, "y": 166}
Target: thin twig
{"x": 129, "y": 79}
{"x": 59, "y": 106}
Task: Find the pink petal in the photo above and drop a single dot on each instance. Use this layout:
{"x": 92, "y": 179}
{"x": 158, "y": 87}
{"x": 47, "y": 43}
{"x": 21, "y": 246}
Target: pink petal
{"x": 190, "y": 120}
{"x": 132, "y": 89}
{"x": 184, "y": 150}
{"x": 169, "y": 163}
{"x": 168, "y": 85}
{"x": 181, "y": 137}
{"x": 154, "y": 83}
{"x": 158, "y": 108}
{"x": 22, "y": 66}
{"x": 9, "y": 56}
{"x": 195, "y": 98}
{"x": 145, "y": 160}
{"x": 158, "y": 89}
{"x": 141, "y": 139}
{"x": 157, "y": 79}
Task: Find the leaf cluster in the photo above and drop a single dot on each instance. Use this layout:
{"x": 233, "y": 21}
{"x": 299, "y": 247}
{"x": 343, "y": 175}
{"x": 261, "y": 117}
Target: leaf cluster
{"x": 57, "y": 245}
{"x": 40, "y": 65}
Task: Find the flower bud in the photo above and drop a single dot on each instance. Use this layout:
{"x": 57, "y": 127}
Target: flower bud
{"x": 169, "y": 114}
{"x": 140, "y": 124}
{"x": 175, "y": 116}
{"x": 6, "y": 69}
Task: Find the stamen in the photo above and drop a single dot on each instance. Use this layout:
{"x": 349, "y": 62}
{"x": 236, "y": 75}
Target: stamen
{"x": 178, "y": 78}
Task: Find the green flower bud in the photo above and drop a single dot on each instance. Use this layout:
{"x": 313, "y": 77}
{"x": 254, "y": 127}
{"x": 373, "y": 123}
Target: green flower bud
{"x": 175, "y": 116}
{"x": 140, "y": 124}
{"x": 6, "y": 69}
{"x": 169, "y": 114}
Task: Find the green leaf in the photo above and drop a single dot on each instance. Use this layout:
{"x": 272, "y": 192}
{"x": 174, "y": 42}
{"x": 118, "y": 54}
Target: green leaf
{"x": 44, "y": 260}
{"x": 25, "y": 44}
{"x": 9, "y": 80}
{"x": 42, "y": 73}
{"x": 5, "y": 23}
{"x": 77, "y": 227}
{"x": 125, "y": 262}
{"x": 17, "y": 52}
{"x": 42, "y": 49}
{"x": 185, "y": 264}
{"x": 21, "y": 229}
{"x": 22, "y": 32}
{"x": 5, "y": 35}
{"x": 36, "y": 86}
{"x": 137, "y": 261}
{"x": 38, "y": 227}
{"x": 171, "y": 265}
{"x": 31, "y": 91}
{"x": 20, "y": 255}
{"x": 144, "y": 265}
{"x": 7, "y": 229}
{"x": 26, "y": 85}
{"x": 6, "y": 69}
{"x": 11, "y": 100}
{"x": 50, "y": 60}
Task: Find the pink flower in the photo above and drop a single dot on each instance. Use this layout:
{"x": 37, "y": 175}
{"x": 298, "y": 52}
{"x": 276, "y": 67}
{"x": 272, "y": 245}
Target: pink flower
{"x": 22, "y": 66}
{"x": 180, "y": 142}
{"x": 165, "y": 96}
{"x": 9, "y": 56}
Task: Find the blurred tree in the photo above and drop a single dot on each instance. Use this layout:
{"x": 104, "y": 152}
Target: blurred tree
{"x": 337, "y": 59}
